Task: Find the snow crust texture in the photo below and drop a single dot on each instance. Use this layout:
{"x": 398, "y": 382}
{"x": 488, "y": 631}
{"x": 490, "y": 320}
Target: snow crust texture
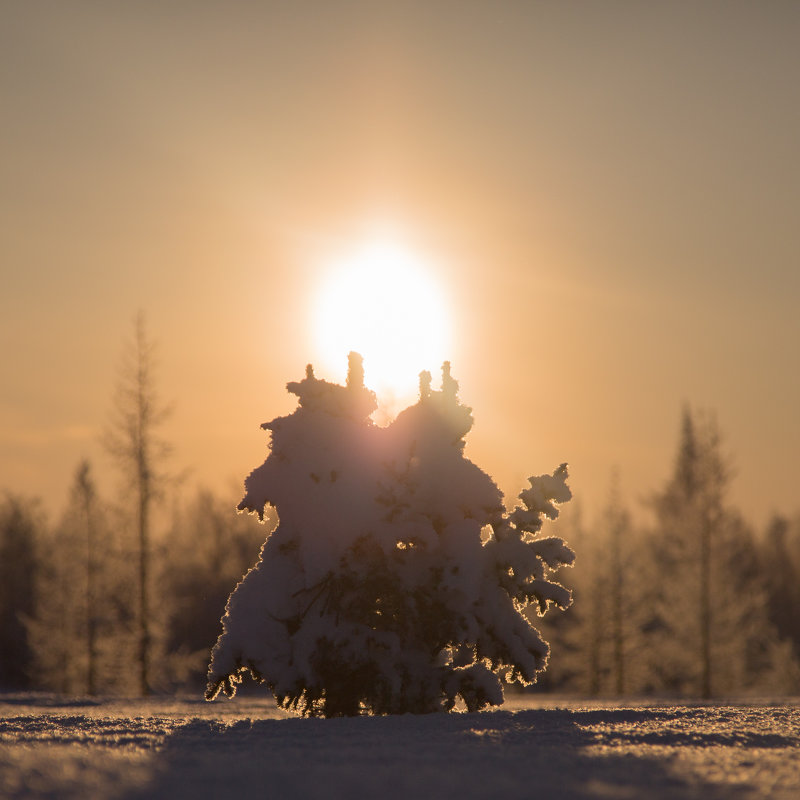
{"x": 537, "y": 747}
{"x": 395, "y": 581}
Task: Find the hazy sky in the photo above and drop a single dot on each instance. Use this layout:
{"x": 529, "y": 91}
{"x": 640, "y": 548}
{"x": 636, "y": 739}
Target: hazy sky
{"x": 607, "y": 192}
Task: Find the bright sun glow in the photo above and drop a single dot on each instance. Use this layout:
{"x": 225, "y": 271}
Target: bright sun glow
{"x": 383, "y": 302}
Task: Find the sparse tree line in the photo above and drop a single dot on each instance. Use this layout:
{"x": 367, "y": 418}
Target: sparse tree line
{"x": 694, "y": 603}
{"x": 102, "y": 601}
{"x": 70, "y": 602}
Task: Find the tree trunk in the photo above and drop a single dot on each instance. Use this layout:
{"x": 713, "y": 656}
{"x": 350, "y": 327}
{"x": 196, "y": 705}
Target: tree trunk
{"x": 91, "y": 617}
{"x": 133, "y": 441}
{"x": 144, "y": 569}
{"x": 705, "y": 605}
{"x": 617, "y": 610}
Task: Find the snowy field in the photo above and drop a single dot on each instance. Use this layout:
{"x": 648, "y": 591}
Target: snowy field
{"x": 185, "y": 748}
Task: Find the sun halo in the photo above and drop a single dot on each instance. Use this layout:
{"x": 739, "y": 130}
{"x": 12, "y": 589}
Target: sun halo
{"x": 384, "y": 302}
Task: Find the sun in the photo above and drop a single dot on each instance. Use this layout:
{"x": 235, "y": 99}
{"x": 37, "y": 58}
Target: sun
{"x": 383, "y": 301}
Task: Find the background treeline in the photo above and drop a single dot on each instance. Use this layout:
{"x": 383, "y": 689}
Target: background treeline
{"x": 69, "y": 596}
{"x": 695, "y": 603}
{"x": 126, "y": 596}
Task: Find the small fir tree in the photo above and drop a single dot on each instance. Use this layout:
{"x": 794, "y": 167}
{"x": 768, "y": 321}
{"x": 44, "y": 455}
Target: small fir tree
{"x": 395, "y": 581}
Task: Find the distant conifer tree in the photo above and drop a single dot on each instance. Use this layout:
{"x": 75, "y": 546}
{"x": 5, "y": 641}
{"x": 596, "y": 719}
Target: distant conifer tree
{"x": 709, "y": 631}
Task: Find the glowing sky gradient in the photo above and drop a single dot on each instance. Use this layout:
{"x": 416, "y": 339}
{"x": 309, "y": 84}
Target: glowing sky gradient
{"x": 609, "y": 192}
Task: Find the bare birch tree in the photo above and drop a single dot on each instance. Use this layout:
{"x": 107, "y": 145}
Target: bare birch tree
{"x": 134, "y": 442}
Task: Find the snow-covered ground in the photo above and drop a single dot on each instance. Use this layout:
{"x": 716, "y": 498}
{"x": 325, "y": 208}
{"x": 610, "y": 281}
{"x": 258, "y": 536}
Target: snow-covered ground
{"x": 540, "y": 747}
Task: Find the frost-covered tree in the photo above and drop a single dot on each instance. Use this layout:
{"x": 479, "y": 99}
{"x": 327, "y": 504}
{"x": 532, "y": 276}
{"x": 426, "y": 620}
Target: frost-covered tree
{"x": 396, "y": 581}
{"x": 709, "y": 630}
{"x": 780, "y": 568}
{"x": 132, "y": 439}
{"x": 596, "y": 645}
{"x": 80, "y": 632}
{"x": 207, "y": 550}
{"x": 602, "y": 586}
{"x": 618, "y": 525}
{"x": 86, "y": 499}
{"x": 64, "y": 629}
{"x": 21, "y": 526}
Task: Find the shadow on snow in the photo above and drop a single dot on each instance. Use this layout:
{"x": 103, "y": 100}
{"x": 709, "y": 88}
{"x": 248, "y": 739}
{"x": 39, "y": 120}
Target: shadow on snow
{"x": 557, "y": 753}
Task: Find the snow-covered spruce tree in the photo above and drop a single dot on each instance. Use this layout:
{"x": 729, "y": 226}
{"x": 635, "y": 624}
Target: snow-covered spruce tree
{"x": 395, "y": 581}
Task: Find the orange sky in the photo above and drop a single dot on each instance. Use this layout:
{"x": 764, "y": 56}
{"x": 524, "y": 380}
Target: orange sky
{"x": 608, "y": 193}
